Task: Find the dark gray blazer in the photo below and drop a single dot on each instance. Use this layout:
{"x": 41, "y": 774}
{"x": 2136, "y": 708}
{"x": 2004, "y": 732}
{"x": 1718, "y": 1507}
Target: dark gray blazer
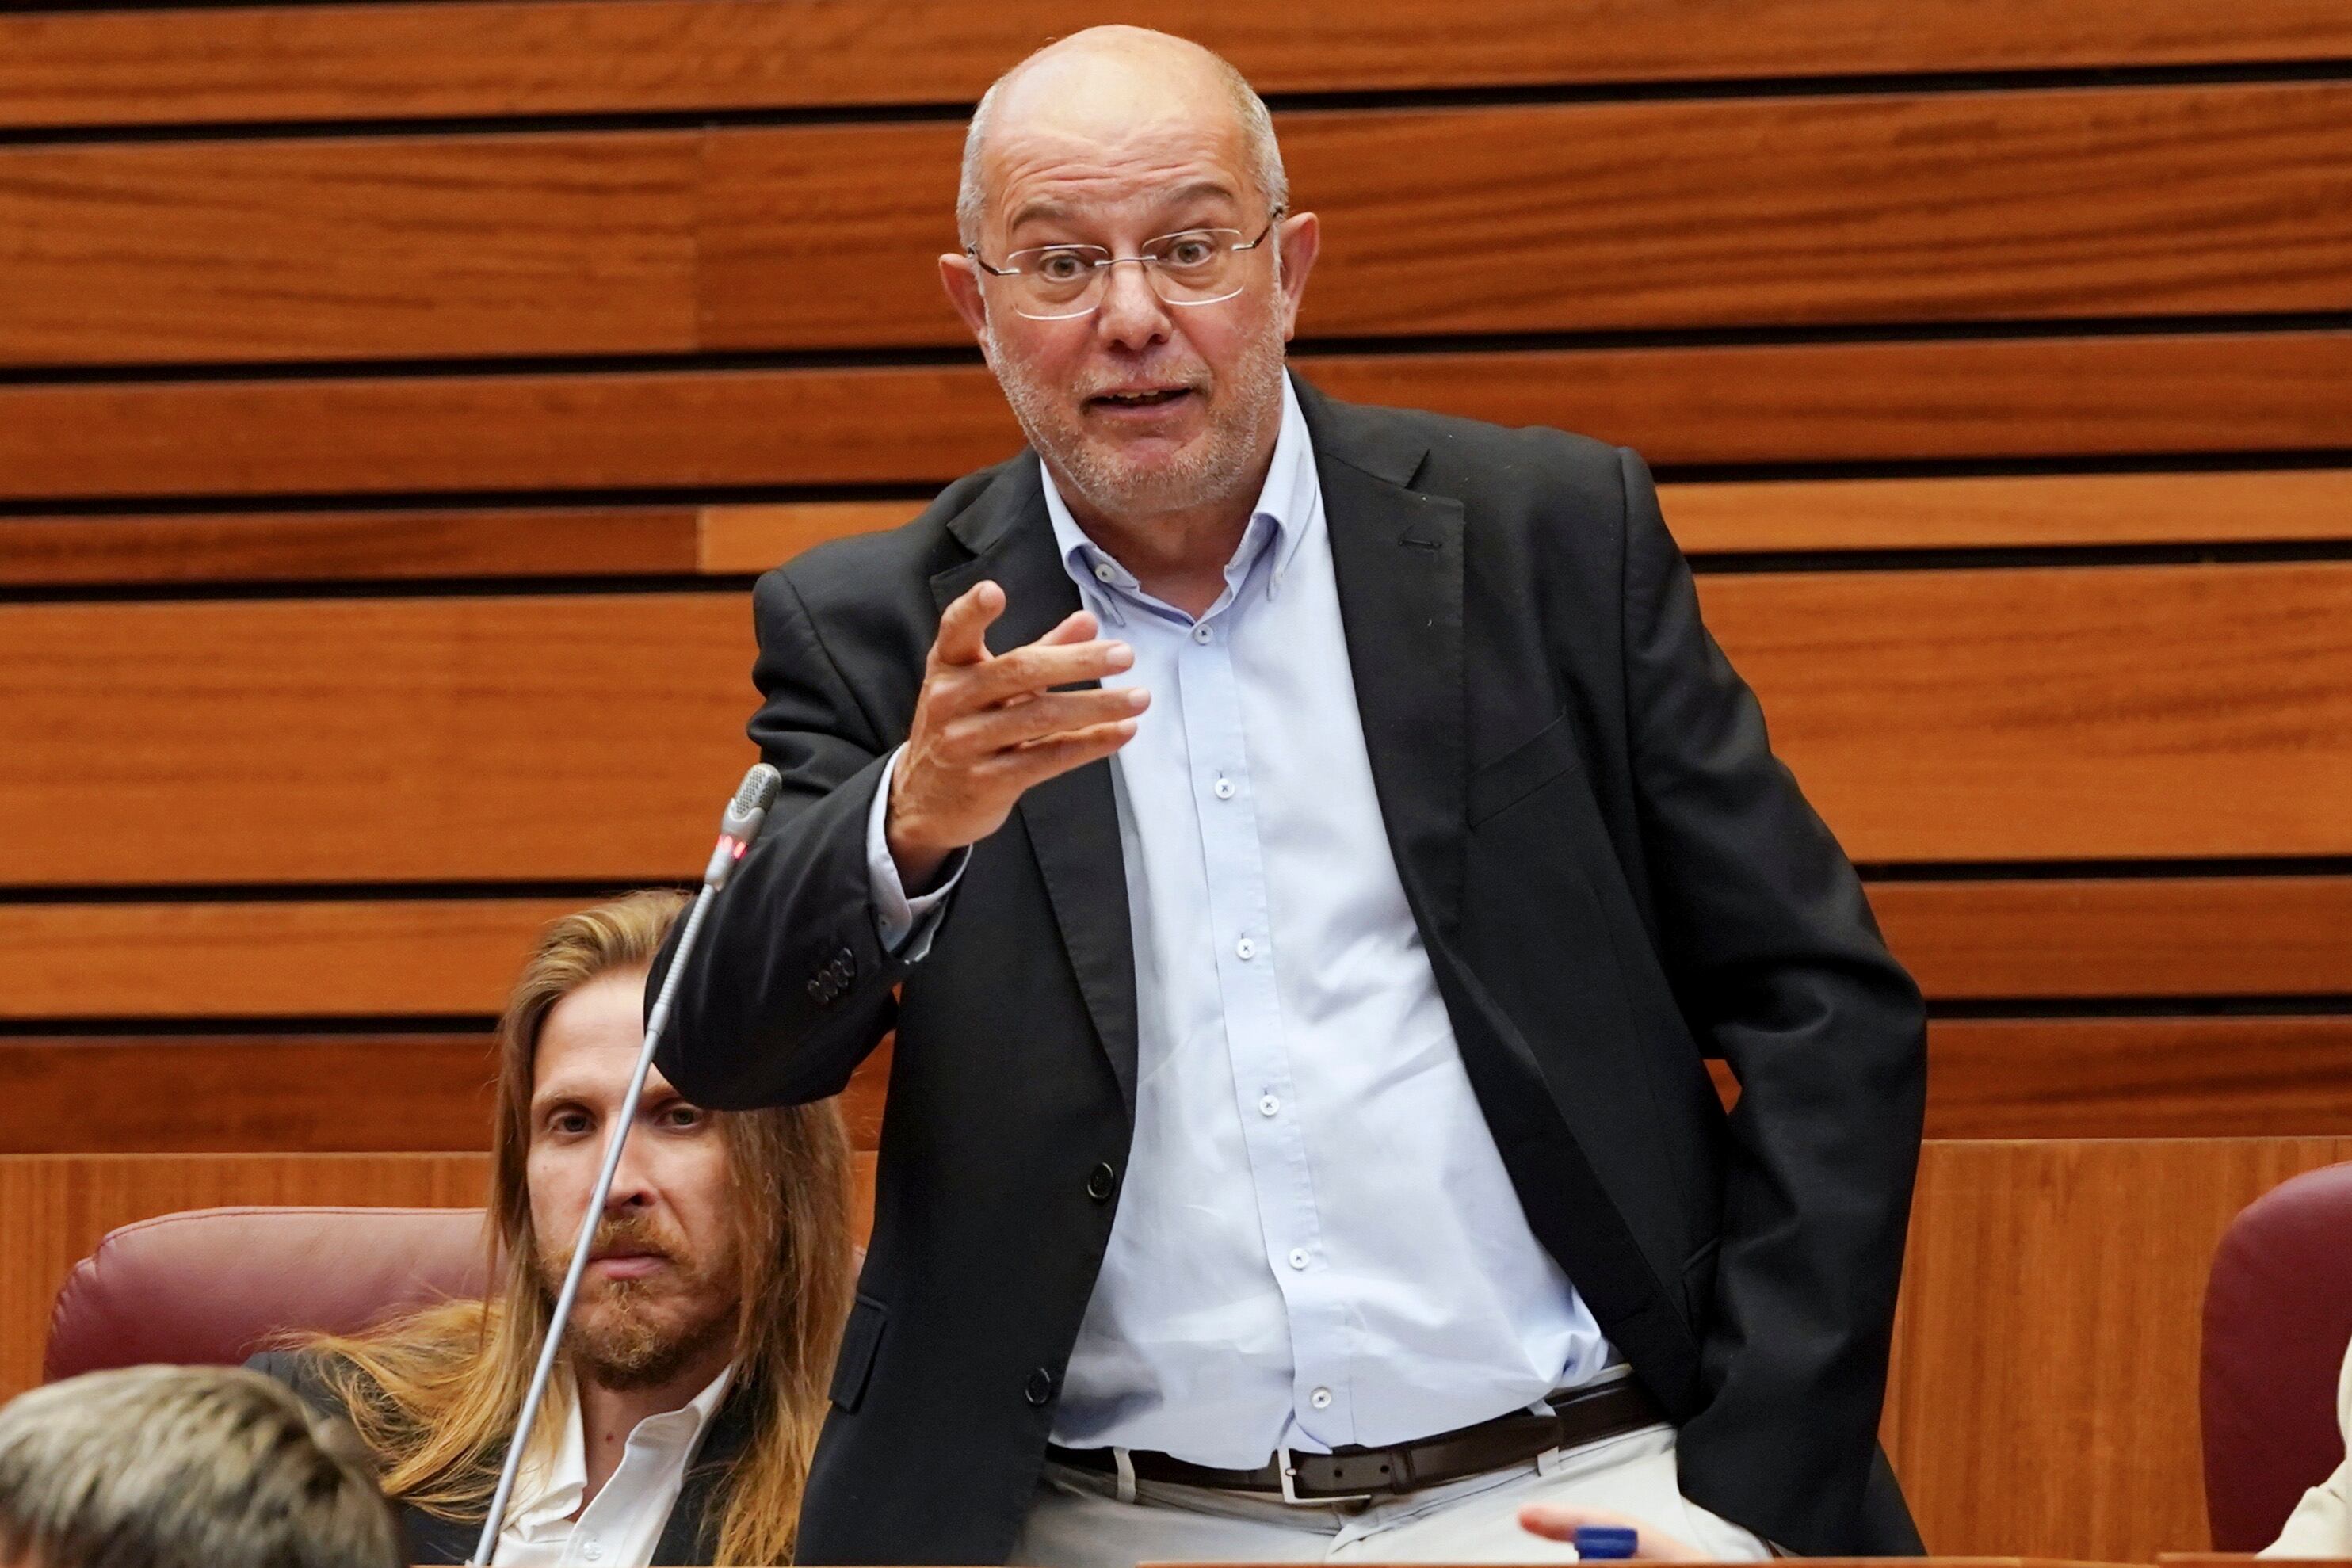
{"x": 1614, "y": 879}
{"x": 689, "y": 1535}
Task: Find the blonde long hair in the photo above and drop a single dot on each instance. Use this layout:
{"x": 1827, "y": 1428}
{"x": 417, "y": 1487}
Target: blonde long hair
{"x": 436, "y": 1393}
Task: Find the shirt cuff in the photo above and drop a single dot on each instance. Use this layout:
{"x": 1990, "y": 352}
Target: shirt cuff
{"x": 904, "y": 925}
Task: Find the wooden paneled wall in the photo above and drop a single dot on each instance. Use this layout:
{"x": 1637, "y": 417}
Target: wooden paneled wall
{"x": 396, "y": 399}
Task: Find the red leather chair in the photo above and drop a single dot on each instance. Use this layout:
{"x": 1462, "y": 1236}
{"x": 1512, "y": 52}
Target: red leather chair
{"x": 2278, "y": 1317}
{"x": 215, "y": 1285}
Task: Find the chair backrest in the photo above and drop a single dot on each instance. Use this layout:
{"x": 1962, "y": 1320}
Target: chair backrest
{"x": 215, "y": 1285}
{"x": 2278, "y": 1317}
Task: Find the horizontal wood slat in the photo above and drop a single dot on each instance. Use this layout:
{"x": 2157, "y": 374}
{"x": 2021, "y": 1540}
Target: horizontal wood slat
{"x": 2046, "y": 1283}
{"x": 1640, "y": 216}
{"x": 2160, "y": 937}
{"x": 269, "y": 958}
{"x": 55, "y": 1209}
{"x": 2139, "y": 1078}
{"x": 285, "y": 1093}
{"x": 2006, "y": 511}
{"x": 294, "y": 958}
{"x": 1773, "y": 212}
{"x": 2010, "y": 511}
{"x": 2005, "y": 1078}
{"x": 545, "y": 736}
{"x": 2058, "y": 713}
{"x": 402, "y": 248}
{"x": 365, "y": 545}
{"x": 1976, "y": 715}
{"x": 385, "y": 61}
{"x": 1813, "y": 402}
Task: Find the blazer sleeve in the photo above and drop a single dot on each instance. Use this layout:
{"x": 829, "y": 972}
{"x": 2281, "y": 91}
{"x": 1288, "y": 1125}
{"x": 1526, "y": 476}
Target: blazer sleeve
{"x": 299, "y": 1372}
{"x": 2321, "y": 1524}
{"x": 1778, "y": 967}
{"x": 789, "y": 985}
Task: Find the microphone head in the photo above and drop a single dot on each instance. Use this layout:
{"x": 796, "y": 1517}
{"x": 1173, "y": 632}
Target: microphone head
{"x": 758, "y": 791}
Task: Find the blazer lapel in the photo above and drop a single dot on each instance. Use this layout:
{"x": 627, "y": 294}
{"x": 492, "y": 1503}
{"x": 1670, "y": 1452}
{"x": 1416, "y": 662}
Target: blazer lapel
{"x": 1072, "y": 819}
{"x": 691, "y": 1534}
{"x": 1397, "y": 555}
{"x": 432, "y": 1538}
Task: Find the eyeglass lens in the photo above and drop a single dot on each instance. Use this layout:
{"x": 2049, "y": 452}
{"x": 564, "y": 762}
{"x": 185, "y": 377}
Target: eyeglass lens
{"x": 1199, "y": 267}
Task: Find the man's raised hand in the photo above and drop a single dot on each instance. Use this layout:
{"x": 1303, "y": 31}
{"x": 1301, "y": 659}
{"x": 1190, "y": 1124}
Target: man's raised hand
{"x": 988, "y": 725}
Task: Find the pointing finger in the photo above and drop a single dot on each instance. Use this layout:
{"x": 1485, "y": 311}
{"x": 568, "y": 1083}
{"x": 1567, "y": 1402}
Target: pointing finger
{"x": 963, "y": 625}
{"x": 1078, "y": 626}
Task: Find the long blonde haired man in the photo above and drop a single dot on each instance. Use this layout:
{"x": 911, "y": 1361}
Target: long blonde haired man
{"x": 680, "y": 1424}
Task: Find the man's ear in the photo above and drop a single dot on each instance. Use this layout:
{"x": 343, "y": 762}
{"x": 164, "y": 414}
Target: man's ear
{"x": 960, "y": 279}
{"x": 1301, "y": 237}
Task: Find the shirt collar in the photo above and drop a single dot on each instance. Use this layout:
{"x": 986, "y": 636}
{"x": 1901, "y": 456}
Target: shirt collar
{"x": 1291, "y": 498}
{"x": 548, "y": 1488}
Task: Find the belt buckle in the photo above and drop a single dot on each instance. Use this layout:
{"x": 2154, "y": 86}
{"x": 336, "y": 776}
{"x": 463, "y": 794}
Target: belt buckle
{"x": 1289, "y": 1468}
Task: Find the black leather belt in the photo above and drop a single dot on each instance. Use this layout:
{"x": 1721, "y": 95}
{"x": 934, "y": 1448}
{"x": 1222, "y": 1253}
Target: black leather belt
{"x": 1578, "y": 1417}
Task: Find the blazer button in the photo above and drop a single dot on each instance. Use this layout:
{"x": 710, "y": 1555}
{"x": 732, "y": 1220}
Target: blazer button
{"x": 816, "y": 992}
{"x": 1039, "y": 1388}
{"x": 1101, "y": 1183}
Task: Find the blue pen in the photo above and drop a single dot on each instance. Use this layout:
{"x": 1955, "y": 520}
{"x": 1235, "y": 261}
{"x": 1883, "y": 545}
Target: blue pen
{"x": 1599, "y": 1542}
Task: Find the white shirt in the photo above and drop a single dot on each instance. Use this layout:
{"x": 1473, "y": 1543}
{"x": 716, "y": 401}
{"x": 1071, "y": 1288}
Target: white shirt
{"x": 1317, "y": 1243}
{"x": 620, "y": 1527}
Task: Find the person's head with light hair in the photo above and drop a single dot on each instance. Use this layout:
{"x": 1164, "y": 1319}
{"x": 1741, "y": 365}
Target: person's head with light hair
{"x": 184, "y": 1467}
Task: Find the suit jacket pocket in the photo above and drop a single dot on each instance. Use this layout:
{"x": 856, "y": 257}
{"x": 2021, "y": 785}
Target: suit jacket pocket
{"x": 860, "y": 1338}
{"x": 1524, "y": 769}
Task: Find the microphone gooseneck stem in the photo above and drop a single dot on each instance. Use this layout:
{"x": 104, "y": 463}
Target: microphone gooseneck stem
{"x": 488, "y": 1546}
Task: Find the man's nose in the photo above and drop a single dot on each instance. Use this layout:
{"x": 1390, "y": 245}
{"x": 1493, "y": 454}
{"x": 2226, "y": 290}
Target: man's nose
{"x": 1132, "y": 315}
{"x": 632, "y": 1186}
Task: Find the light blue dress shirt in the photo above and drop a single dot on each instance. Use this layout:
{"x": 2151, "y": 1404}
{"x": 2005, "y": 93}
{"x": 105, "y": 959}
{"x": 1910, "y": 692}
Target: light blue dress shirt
{"x": 1316, "y": 1243}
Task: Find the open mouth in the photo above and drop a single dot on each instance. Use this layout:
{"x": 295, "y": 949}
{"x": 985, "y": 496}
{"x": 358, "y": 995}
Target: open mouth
{"x": 1160, "y": 397}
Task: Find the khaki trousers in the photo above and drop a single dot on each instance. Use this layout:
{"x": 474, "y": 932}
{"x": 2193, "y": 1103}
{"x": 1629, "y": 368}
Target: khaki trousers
{"x": 1079, "y": 1521}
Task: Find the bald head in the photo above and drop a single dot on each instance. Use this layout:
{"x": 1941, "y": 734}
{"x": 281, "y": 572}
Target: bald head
{"x": 1106, "y": 84}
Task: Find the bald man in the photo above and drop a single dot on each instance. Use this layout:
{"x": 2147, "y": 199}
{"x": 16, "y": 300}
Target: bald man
{"x": 1308, "y": 853}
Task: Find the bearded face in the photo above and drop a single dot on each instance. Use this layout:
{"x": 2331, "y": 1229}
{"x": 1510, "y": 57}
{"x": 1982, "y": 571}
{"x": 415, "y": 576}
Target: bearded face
{"x": 648, "y": 1307}
{"x": 660, "y": 1297}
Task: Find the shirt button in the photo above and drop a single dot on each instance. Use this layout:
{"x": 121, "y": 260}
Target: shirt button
{"x": 1268, "y": 1105}
{"x": 1245, "y": 949}
{"x": 1298, "y": 1256}
{"x": 1103, "y": 572}
{"x": 1039, "y": 1388}
{"x": 593, "y": 1551}
{"x": 1202, "y": 633}
{"x": 1321, "y": 1399}
{"x": 1224, "y": 790}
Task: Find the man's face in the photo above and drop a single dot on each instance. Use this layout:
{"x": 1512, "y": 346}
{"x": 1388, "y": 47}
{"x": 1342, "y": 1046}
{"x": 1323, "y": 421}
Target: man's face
{"x": 1143, "y": 408}
{"x": 665, "y": 1277}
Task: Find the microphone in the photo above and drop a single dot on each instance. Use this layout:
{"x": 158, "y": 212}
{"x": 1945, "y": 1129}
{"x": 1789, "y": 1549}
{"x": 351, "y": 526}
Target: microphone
{"x": 738, "y": 826}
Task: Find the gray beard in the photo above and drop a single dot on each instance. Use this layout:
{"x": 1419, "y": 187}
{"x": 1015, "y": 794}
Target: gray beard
{"x": 1210, "y": 471}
